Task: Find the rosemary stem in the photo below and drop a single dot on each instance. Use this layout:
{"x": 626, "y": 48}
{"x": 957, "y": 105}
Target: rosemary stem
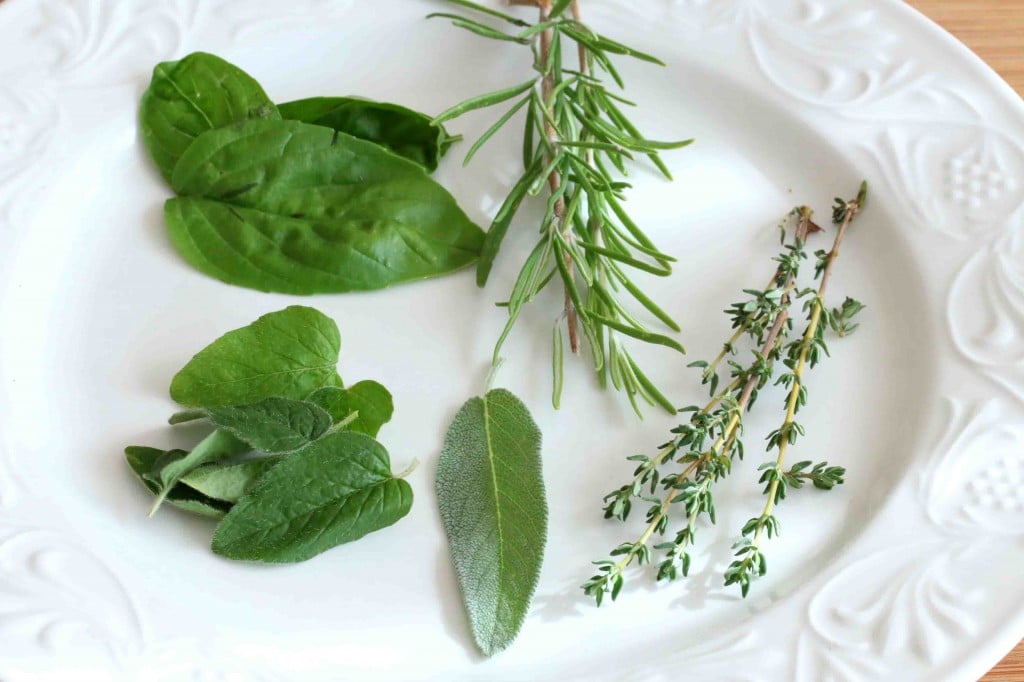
{"x": 798, "y": 370}
{"x": 554, "y": 177}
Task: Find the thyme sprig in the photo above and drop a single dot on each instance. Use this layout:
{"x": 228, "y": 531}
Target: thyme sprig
{"x": 801, "y": 354}
{"x": 706, "y": 447}
{"x": 577, "y": 141}
{"x": 764, "y": 318}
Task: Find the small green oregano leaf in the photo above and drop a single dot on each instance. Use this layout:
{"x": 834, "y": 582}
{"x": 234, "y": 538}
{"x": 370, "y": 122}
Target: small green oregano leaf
{"x": 368, "y": 400}
{"x": 289, "y": 354}
{"x": 490, "y": 492}
{"x": 229, "y": 482}
{"x": 334, "y": 491}
{"x": 273, "y": 425}
{"x": 191, "y": 96}
{"x": 147, "y": 462}
{"x": 219, "y": 445}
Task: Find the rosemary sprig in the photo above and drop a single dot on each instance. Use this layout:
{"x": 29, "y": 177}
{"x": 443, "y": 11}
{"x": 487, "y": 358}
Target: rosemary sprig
{"x": 577, "y": 141}
{"x": 764, "y": 317}
{"x": 801, "y": 354}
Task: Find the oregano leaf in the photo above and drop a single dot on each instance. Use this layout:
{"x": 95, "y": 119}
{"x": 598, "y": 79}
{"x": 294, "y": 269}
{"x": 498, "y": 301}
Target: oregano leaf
{"x": 334, "y": 491}
{"x": 369, "y": 401}
{"x": 146, "y": 463}
{"x": 490, "y": 492}
{"x": 289, "y": 354}
{"x": 229, "y": 482}
{"x": 273, "y": 425}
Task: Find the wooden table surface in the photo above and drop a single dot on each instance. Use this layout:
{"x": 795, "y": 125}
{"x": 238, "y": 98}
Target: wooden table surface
{"x": 995, "y": 30}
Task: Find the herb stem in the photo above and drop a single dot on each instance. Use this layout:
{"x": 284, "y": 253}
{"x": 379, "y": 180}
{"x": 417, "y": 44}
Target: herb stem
{"x": 727, "y": 436}
{"x": 853, "y": 208}
{"x": 554, "y": 177}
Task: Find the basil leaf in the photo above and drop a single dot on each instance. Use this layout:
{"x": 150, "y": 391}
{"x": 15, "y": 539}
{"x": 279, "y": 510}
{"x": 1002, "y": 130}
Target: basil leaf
{"x": 273, "y": 425}
{"x": 289, "y": 353}
{"x": 295, "y": 208}
{"x": 191, "y": 96}
{"x": 227, "y": 483}
{"x": 334, "y": 491}
{"x": 402, "y": 131}
{"x": 490, "y": 492}
{"x": 147, "y": 462}
{"x": 369, "y": 400}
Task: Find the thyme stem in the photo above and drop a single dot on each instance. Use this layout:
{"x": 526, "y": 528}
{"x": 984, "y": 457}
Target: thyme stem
{"x": 798, "y": 371}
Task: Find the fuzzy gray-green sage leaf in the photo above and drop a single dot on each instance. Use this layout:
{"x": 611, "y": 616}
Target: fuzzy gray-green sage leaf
{"x": 490, "y": 491}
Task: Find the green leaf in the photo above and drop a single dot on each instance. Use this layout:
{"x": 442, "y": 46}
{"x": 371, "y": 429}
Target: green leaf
{"x": 370, "y": 401}
{"x": 289, "y": 353}
{"x": 295, "y": 208}
{"x": 147, "y": 462}
{"x": 403, "y": 131}
{"x": 217, "y": 446}
{"x": 483, "y": 101}
{"x": 188, "y": 97}
{"x": 229, "y": 482}
{"x": 334, "y": 491}
{"x": 491, "y": 495}
{"x": 273, "y": 425}
{"x": 496, "y": 234}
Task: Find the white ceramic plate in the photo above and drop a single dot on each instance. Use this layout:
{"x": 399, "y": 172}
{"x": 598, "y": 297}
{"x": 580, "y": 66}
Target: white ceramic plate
{"x": 912, "y": 570}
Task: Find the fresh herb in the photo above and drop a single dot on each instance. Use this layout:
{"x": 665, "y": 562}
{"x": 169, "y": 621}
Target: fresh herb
{"x": 202, "y": 92}
{"x": 301, "y": 209}
{"x": 800, "y": 355}
{"x": 217, "y": 446}
{"x": 291, "y": 465}
{"x": 366, "y": 405}
{"x": 398, "y": 129}
{"x": 273, "y": 425}
{"x": 147, "y": 463}
{"x": 334, "y": 491}
{"x": 188, "y": 97}
{"x": 491, "y": 495}
{"x": 288, "y": 354}
{"x": 291, "y": 207}
{"x": 229, "y": 482}
{"x": 702, "y": 451}
{"x": 577, "y": 142}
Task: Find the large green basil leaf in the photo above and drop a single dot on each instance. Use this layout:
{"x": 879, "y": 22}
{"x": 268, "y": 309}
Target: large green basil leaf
{"x": 275, "y": 425}
{"x": 370, "y": 401}
{"x": 289, "y": 353}
{"x": 295, "y": 208}
{"x": 334, "y": 491}
{"x": 191, "y": 96}
{"x": 403, "y": 131}
{"x": 147, "y": 463}
{"x": 490, "y": 492}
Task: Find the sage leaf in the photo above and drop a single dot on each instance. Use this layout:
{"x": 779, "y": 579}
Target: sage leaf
{"x": 294, "y": 208}
{"x": 217, "y": 446}
{"x": 490, "y": 492}
{"x": 289, "y": 353}
{"x": 146, "y": 463}
{"x": 273, "y": 425}
{"x": 229, "y": 482}
{"x": 398, "y": 129}
{"x": 188, "y": 97}
{"x": 368, "y": 400}
{"x": 334, "y": 491}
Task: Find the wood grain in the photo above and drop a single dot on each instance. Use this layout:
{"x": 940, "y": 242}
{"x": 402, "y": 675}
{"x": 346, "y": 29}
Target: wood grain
{"x": 993, "y": 29}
